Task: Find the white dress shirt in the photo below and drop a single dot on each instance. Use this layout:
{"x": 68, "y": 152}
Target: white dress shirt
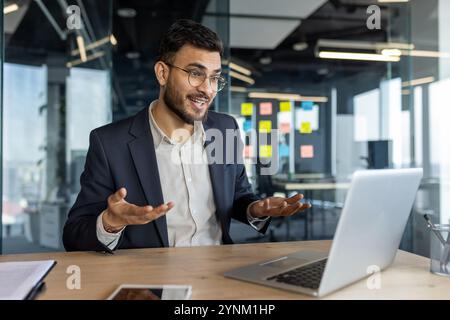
{"x": 185, "y": 180}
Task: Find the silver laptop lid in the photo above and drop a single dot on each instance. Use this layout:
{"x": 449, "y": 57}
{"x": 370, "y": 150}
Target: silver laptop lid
{"x": 371, "y": 225}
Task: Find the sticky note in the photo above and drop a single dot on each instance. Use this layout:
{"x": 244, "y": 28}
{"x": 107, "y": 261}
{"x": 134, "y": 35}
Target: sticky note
{"x": 247, "y": 126}
{"x": 285, "y": 106}
{"x": 246, "y": 109}
{"x": 285, "y": 127}
{"x": 248, "y": 151}
{"x": 305, "y": 127}
{"x": 265, "y": 108}
{"x": 307, "y": 105}
{"x": 265, "y": 126}
{"x": 307, "y": 151}
{"x": 283, "y": 150}
{"x": 265, "y": 151}
{"x": 311, "y": 116}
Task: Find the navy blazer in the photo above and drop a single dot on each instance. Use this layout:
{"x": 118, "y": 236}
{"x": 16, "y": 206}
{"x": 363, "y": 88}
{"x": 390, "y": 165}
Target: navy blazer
{"x": 122, "y": 154}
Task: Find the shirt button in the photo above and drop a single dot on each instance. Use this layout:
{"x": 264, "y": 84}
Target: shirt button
{"x": 189, "y": 179}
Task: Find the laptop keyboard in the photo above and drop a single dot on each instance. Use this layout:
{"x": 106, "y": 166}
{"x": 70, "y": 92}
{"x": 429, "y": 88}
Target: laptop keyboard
{"x": 308, "y": 276}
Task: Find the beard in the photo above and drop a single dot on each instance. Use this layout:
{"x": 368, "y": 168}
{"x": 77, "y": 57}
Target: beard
{"x": 175, "y": 102}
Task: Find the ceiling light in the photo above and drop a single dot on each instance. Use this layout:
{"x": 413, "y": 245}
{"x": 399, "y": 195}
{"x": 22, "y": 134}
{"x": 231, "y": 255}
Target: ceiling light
{"x": 314, "y": 99}
{"x": 279, "y": 96}
{"x": 240, "y": 69}
{"x": 10, "y": 8}
{"x": 126, "y": 12}
{"x": 300, "y": 46}
{"x": 349, "y": 44}
{"x": 92, "y": 45}
{"x": 88, "y": 58}
{"x": 418, "y": 82}
{"x": 133, "y": 55}
{"x": 426, "y": 53}
{"x": 406, "y": 92}
{"x": 392, "y": 1}
{"x": 322, "y": 71}
{"x": 265, "y": 60}
{"x": 113, "y": 40}
{"x": 391, "y": 52}
{"x": 357, "y": 56}
{"x": 238, "y": 89}
{"x": 241, "y": 77}
{"x": 286, "y": 96}
{"x": 81, "y": 48}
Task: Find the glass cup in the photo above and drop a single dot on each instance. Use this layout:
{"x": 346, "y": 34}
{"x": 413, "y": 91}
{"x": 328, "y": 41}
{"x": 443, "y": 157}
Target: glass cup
{"x": 440, "y": 250}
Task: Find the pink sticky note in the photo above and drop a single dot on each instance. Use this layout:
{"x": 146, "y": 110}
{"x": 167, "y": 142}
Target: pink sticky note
{"x": 307, "y": 151}
{"x": 265, "y": 108}
{"x": 248, "y": 151}
{"x": 285, "y": 127}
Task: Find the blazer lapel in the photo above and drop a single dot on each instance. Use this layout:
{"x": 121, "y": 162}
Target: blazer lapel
{"x": 144, "y": 157}
{"x": 215, "y": 172}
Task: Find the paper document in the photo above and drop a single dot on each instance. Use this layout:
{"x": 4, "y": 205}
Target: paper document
{"x": 19, "y": 279}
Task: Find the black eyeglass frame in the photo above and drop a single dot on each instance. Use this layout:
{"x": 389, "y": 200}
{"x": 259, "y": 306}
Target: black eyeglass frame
{"x": 221, "y": 83}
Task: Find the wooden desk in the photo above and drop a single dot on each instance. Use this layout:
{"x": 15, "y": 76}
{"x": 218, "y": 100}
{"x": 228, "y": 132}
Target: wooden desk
{"x": 203, "y": 268}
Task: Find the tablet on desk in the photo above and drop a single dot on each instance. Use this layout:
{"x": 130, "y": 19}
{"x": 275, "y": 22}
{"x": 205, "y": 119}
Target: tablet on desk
{"x": 151, "y": 292}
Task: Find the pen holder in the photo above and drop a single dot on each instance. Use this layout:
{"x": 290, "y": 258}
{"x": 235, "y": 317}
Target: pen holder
{"x": 440, "y": 250}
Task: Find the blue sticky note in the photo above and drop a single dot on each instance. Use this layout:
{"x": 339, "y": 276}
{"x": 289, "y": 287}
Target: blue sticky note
{"x": 247, "y": 125}
{"x": 283, "y": 150}
{"x": 307, "y": 105}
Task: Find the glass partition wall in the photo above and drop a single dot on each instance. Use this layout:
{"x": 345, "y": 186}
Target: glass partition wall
{"x": 349, "y": 85}
{"x": 57, "y": 88}
{"x": 72, "y": 66}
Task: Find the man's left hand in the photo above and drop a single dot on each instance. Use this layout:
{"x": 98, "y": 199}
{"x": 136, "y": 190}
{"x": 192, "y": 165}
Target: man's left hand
{"x": 278, "y": 206}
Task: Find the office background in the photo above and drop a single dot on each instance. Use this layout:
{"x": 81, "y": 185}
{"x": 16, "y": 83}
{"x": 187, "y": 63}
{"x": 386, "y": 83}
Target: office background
{"x": 345, "y": 95}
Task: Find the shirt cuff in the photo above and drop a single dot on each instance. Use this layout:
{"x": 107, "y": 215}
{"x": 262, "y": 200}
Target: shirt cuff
{"x": 108, "y": 239}
{"x": 256, "y": 223}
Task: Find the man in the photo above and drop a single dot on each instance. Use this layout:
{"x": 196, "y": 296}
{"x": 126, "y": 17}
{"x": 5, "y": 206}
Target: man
{"x": 136, "y": 173}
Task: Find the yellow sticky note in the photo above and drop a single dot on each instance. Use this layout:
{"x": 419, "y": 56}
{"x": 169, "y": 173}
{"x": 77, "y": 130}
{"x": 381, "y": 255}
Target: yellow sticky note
{"x": 265, "y": 126}
{"x": 305, "y": 127}
{"x": 265, "y": 151}
{"x": 246, "y": 109}
{"x": 285, "y": 106}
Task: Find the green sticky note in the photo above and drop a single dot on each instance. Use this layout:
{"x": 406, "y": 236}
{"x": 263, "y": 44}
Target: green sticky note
{"x": 305, "y": 127}
{"x": 265, "y": 126}
{"x": 246, "y": 109}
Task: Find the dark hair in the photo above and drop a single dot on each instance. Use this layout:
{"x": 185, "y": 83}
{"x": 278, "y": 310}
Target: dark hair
{"x": 184, "y": 32}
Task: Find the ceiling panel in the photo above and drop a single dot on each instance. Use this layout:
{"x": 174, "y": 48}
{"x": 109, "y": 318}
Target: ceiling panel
{"x": 286, "y": 8}
{"x": 259, "y": 33}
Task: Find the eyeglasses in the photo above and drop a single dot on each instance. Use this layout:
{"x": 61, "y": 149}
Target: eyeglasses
{"x": 197, "y": 77}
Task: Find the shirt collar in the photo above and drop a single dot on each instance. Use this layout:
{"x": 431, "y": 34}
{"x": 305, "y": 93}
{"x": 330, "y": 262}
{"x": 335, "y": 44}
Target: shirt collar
{"x": 159, "y": 136}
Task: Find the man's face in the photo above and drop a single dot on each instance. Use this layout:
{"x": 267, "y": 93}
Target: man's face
{"x": 188, "y": 103}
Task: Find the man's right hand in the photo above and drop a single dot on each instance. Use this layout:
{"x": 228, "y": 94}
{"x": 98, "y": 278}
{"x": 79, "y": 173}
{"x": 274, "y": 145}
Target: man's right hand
{"x": 121, "y": 213}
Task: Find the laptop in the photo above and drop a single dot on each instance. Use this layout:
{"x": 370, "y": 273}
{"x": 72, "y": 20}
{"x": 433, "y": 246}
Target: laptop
{"x": 367, "y": 237}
